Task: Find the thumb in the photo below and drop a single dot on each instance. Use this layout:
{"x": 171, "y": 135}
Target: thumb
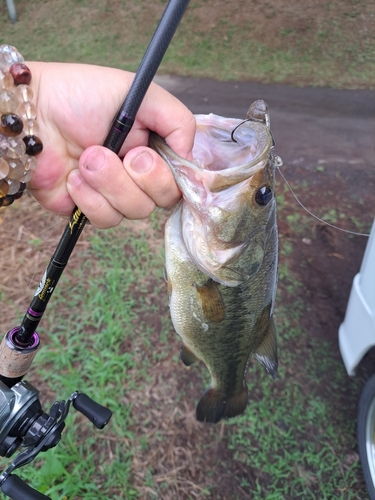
{"x": 104, "y": 191}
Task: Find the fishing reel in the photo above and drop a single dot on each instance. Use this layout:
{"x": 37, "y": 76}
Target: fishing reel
{"x": 24, "y": 424}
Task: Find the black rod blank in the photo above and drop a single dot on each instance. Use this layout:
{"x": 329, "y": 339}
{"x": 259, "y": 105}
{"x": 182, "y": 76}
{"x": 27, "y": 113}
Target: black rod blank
{"x": 146, "y": 72}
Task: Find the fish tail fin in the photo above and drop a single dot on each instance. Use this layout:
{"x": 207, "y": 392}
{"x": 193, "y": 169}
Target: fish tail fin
{"x": 214, "y": 405}
{"x": 266, "y": 352}
{"x": 236, "y": 404}
{"x": 211, "y": 407}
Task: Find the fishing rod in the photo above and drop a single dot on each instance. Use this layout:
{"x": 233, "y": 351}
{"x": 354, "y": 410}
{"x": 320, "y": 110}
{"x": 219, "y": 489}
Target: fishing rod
{"x": 22, "y": 420}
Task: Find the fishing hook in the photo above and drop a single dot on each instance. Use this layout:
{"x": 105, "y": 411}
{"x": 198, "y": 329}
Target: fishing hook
{"x": 236, "y": 127}
{"x": 266, "y": 122}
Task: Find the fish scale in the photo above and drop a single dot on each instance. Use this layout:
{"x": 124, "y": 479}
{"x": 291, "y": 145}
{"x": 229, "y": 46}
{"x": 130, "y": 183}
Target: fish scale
{"x": 221, "y": 254}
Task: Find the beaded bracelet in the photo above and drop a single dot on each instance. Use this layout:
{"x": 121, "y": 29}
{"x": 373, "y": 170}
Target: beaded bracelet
{"x": 18, "y": 128}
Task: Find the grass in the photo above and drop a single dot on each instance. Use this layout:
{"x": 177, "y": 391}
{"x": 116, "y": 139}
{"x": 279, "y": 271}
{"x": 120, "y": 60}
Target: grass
{"x": 86, "y": 352}
{"x": 290, "y": 42}
{"x": 107, "y": 334}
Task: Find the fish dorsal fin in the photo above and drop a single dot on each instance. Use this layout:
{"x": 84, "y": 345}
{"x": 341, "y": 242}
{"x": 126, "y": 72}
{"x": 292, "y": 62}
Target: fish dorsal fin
{"x": 266, "y": 352}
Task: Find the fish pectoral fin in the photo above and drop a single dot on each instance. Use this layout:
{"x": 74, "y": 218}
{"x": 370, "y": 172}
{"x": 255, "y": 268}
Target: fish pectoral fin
{"x": 187, "y": 357}
{"x": 214, "y": 405}
{"x": 266, "y": 352}
{"x": 211, "y": 301}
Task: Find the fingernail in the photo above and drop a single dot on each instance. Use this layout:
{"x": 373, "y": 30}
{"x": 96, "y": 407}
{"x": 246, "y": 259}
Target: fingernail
{"x": 74, "y": 178}
{"x": 95, "y": 160}
{"x": 142, "y": 163}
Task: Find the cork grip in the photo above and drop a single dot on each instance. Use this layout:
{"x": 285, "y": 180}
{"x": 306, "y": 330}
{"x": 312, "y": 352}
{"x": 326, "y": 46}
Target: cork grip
{"x": 14, "y": 361}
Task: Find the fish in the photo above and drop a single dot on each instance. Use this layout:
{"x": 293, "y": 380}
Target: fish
{"x": 221, "y": 254}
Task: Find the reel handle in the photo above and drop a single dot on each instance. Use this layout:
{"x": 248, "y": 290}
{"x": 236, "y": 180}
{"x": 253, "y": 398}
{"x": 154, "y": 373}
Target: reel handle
{"x": 15, "y": 488}
{"x": 97, "y": 414}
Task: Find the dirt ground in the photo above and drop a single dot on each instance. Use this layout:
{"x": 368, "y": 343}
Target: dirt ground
{"x": 326, "y": 141}
{"x": 298, "y": 21}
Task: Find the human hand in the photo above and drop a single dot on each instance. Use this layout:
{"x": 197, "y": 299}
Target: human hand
{"x": 75, "y": 107}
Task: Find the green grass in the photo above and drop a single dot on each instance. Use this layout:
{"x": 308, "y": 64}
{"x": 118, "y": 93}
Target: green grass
{"x": 288, "y": 436}
{"x": 294, "y": 441}
{"x": 334, "y": 47}
{"x": 85, "y": 352}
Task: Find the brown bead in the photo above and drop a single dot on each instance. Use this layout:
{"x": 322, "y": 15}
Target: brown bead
{"x": 11, "y": 125}
{"x": 4, "y": 168}
{"x": 20, "y": 191}
{"x": 33, "y": 145}
{"x": 7, "y": 200}
{"x": 4, "y": 188}
{"x": 18, "y": 195}
{"x": 21, "y": 74}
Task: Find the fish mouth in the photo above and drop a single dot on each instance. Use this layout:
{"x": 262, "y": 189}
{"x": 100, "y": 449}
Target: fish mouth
{"x": 216, "y": 150}
{"x": 219, "y": 162}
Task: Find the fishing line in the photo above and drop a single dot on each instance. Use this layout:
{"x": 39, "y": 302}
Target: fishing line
{"x": 315, "y": 216}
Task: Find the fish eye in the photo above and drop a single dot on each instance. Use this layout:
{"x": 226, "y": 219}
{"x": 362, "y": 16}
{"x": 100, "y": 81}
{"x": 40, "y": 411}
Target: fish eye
{"x": 264, "y": 195}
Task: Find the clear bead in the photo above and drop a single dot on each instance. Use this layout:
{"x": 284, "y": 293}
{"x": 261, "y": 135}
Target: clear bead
{"x": 4, "y": 146}
{"x": 6, "y": 80}
{"x": 28, "y": 111}
{"x": 24, "y": 93}
{"x": 31, "y": 127}
{"x": 27, "y": 176}
{"x": 16, "y": 168}
{"x": 4, "y": 66}
{"x": 14, "y": 186}
{"x": 29, "y": 162}
{"x": 17, "y": 147}
{"x": 8, "y": 102}
{"x": 4, "y": 168}
{"x": 11, "y": 54}
{"x": 4, "y": 188}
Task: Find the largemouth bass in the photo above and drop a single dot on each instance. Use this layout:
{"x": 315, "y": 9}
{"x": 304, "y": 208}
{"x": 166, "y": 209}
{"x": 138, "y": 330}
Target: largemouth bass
{"x": 221, "y": 254}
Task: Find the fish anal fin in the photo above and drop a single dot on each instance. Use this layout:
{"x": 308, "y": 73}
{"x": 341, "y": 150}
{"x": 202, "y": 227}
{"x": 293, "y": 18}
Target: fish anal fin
{"x": 186, "y": 356}
{"x": 214, "y": 405}
{"x": 266, "y": 352}
{"x": 211, "y": 301}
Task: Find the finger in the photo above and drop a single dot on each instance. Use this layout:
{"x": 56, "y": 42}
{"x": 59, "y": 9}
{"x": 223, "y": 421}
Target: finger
{"x": 104, "y": 172}
{"x": 97, "y": 209}
{"x": 150, "y": 172}
{"x": 167, "y": 116}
